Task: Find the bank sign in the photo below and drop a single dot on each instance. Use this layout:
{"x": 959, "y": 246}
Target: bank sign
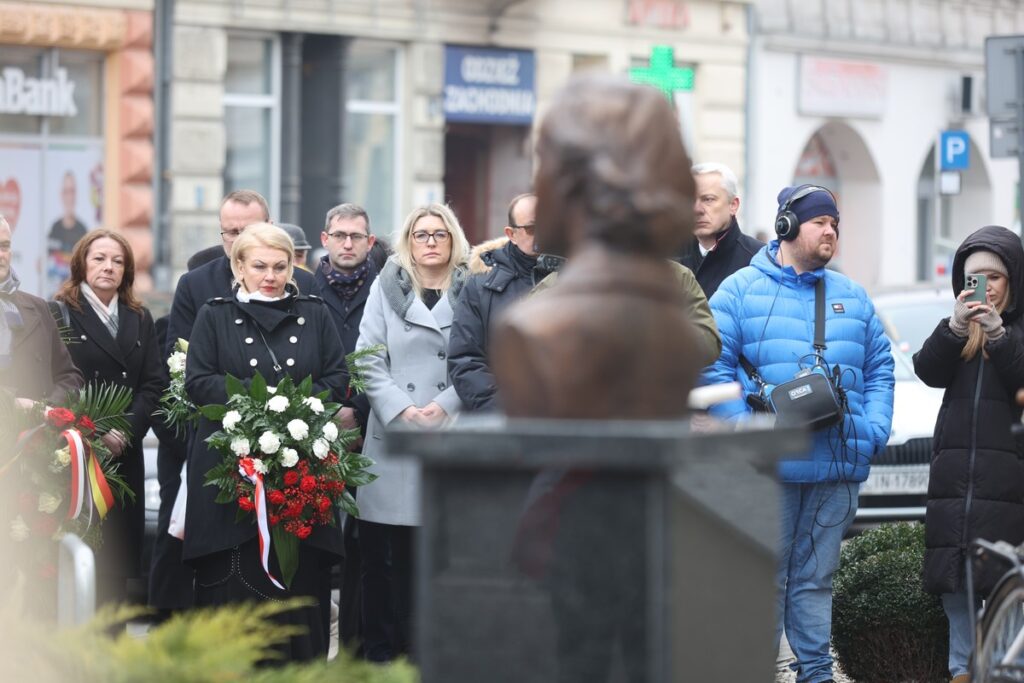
{"x": 483, "y": 85}
{"x": 21, "y": 94}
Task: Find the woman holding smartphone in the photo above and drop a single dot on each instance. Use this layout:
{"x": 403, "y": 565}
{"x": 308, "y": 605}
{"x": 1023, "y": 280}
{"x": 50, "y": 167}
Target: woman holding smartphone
{"x": 976, "y": 485}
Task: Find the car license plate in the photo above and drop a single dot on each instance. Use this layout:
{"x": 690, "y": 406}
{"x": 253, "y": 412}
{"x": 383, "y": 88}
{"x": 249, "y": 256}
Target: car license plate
{"x": 896, "y": 480}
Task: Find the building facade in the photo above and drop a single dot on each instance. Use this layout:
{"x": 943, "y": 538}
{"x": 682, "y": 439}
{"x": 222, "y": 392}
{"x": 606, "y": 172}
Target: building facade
{"x": 76, "y": 118}
{"x": 853, "y": 95}
{"x": 395, "y": 103}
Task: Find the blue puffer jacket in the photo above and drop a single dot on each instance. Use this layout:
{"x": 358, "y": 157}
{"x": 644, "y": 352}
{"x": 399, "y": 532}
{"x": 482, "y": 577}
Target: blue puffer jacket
{"x": 767, "y": 312}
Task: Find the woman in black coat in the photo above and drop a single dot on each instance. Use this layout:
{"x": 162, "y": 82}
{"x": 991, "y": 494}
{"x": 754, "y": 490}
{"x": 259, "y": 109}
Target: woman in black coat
{"x": 976, "y": 484}
{"x": 228, "y": 338}
{"x": 112, "y": 339}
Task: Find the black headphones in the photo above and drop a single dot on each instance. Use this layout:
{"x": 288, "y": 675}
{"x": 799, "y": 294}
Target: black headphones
{"x": 787, "y": 225}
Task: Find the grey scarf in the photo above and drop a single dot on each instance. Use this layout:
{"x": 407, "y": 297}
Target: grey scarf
{"x": 107, "y": 314}
{"x": 396, "y": 286}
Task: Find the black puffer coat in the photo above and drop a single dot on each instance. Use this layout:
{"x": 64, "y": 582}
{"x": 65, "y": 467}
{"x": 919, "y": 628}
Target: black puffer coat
{"x": 976, "y": 485}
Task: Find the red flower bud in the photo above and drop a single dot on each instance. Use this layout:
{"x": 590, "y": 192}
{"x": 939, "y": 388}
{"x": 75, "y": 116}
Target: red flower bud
{"x": 86, "y": 425}
{"x": 245, "y": 502}
{"x": 304, "y": 531}
{"x": 308, "y": 484}
{"x": 291, "y": 478}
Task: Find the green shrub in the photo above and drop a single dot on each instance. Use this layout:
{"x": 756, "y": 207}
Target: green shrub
{"x": 885, "y": 628}
{"x": 201, "y": 646}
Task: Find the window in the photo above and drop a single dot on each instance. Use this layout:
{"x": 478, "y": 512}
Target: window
{"x": 372, "y": 132}
{"x": 251, "y": 116}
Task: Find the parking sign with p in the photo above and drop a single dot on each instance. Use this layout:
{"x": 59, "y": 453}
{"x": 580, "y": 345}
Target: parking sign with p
{"x": 955, "y": 149}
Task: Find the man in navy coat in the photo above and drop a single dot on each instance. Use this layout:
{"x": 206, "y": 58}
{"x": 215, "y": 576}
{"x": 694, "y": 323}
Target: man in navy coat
{"x": 239, "y": 209}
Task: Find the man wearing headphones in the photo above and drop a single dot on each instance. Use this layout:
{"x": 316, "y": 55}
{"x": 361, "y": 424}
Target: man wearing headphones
{"x": 767, "y": 315}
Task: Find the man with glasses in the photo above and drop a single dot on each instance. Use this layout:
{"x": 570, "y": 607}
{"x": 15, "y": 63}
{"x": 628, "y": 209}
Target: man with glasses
{"x": 238, "y": 210}
{"x": 503, "y": 270}
{"x": 343, "y": 278}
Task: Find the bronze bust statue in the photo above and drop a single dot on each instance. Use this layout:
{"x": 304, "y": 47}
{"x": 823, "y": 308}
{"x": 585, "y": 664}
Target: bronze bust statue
{"x": 614, "y": 194}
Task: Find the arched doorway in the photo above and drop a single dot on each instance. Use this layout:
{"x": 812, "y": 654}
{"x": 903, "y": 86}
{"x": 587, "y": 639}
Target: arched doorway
{"x": 837, "y": 158}
{"x": 959, "y": 214}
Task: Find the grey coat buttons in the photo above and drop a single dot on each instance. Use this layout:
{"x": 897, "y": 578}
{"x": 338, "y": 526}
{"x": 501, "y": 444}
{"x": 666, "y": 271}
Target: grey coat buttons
{"x": 301, "y": 321}
{"x": 293, "y": 339}
{"x": 248, "y": 340}
{"x": 290, "y": 362}
{"x": 84, "y": 337}
{"x": 252, "y": 362}
{"x": 238, "y": 321}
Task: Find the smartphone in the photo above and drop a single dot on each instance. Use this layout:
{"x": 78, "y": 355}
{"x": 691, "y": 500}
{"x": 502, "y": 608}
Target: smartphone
{"x": 978, "y": 283}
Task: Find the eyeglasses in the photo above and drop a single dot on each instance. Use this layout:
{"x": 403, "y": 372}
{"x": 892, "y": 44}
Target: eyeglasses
{"x": 422, "y": 236}
{"x": 343, "y": 237}
{"x": 528, "y": 228}
{"x": 232, "y": 234}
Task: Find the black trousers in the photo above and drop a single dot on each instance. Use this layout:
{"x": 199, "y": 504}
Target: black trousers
{"x": 236, "y": 575}
{"x": 386, "y": 568}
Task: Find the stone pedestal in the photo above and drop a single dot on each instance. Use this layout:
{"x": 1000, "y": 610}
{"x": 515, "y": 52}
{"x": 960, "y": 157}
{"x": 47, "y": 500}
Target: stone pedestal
{"x": 596, "y": 551}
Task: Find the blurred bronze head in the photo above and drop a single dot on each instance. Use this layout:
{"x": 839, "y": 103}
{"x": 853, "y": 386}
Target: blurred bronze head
{"x": 612, "y": 169}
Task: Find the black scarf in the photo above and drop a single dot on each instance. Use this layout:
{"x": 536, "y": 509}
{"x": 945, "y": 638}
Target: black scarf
{"x": 346, "y": 285}
{"x": 524, "y": 262}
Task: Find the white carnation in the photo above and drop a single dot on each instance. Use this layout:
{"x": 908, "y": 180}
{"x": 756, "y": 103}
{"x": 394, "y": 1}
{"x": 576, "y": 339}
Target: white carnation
{"x": 330, "y": 431}
{"x": 176, "y": 362}
{"x": 272, "y": 390}
{"x": 315, "y": 404}
{"x": 278, "y": 404}
{"x": 289, "y": 457}
{"x": 321, "y": 448}
{"x": 63, "y": 455}
{"x": 19, "y": 530}
{"x": 240, "y": 447}
{"x": 231, "y": 419}
{"x": 258, "y": 465}
{"x": 269, "y": 443}
{"x": 49, "y": 503}
{"x": 298, "y": 429}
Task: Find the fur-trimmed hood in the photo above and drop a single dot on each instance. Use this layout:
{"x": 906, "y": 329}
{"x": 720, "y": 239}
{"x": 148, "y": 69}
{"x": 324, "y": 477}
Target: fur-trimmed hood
{"x": 479, "y": 257}
{"x": 396, "y": 286}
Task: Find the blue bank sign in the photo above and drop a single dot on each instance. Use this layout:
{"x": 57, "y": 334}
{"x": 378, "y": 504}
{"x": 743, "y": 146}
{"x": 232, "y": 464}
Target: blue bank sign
{"x": 483, "y": 85}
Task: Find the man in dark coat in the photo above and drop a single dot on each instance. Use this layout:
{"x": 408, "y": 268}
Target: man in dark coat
{"x": 503, "y": 271}
{"x": 34, "y": 363}
{"x": 343, "y": 279}
{"x": 238, "y": 210}
{"x": 718, "y": 248}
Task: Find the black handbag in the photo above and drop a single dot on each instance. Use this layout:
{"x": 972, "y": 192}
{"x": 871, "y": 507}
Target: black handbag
{"x": 813, "y": 398}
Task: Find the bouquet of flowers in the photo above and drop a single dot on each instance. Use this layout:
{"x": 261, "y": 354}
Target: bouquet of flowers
{"x": 285, "y": 462}
{"x": 61, "y": 471}
{"x": 176, "y": 408}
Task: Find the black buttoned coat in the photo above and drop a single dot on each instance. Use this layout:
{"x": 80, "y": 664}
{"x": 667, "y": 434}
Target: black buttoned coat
{"x": 197, "y": 286}
{"x": 347, "y": 314}
{"x": 131, "y": 360}
{"x": 226, "y": 339}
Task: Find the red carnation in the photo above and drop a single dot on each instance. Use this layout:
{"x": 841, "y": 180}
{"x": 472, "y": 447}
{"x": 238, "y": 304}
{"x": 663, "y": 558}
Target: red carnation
{"x": 86, "y": 425}
{"x": 304, "y": 531}
{"x": 60, "y": 417}
{"x": 323, "y": 503}
{"x": 293, "y": 510}
{"x": 291, "y": 478}
{"x": 276, "y": 497}
{"x": 245, "y": 502}
{"x": 308, "y": 484}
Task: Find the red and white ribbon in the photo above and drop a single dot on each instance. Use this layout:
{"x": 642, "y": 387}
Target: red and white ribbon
{"x": 79, "y": 491}
{"x": 247, "y": 469}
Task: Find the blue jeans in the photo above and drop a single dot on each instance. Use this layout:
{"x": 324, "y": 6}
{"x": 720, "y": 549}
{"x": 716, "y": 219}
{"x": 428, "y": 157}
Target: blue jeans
{"x": 814, "y": 519}
{"x": 960, "y": 637}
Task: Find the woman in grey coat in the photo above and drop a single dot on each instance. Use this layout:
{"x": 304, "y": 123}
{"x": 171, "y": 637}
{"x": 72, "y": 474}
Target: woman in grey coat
{"x": 409, "y": 311}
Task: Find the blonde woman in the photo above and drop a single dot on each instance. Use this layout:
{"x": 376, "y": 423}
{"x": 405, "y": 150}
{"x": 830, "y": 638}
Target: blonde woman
{"x": 976, "y": 485}
{"x": 409, "y": 311}
{"x": 265, "y": 327}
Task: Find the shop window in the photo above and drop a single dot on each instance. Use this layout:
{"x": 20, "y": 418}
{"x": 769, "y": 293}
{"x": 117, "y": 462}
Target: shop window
{"x": 251, "y": 113}
{"x": 371, "y": 132}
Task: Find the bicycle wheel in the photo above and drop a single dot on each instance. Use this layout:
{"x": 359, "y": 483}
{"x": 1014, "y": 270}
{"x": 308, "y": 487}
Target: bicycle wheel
{"x": 1001, "y": 634}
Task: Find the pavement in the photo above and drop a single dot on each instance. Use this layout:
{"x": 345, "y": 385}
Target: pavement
{"x": 783, "y": 674}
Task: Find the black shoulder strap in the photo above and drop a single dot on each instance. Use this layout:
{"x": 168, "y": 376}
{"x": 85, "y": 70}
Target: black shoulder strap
{"x": 819, "y": 314}
{"x": 59, "y": 311}
{"x": 819, "y": 332}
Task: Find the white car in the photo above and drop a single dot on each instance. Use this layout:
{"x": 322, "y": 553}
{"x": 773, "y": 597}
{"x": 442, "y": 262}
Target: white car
{"x": 897, "y": 485}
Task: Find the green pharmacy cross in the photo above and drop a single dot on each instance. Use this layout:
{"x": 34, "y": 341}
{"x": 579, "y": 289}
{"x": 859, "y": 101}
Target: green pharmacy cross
{"x": 662, "y": 72}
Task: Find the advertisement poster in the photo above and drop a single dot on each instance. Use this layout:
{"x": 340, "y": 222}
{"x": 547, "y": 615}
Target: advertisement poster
{"x": 51, "y": 195}
{"x": 21, "y": 203}
{"x": 72, "y": 203}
